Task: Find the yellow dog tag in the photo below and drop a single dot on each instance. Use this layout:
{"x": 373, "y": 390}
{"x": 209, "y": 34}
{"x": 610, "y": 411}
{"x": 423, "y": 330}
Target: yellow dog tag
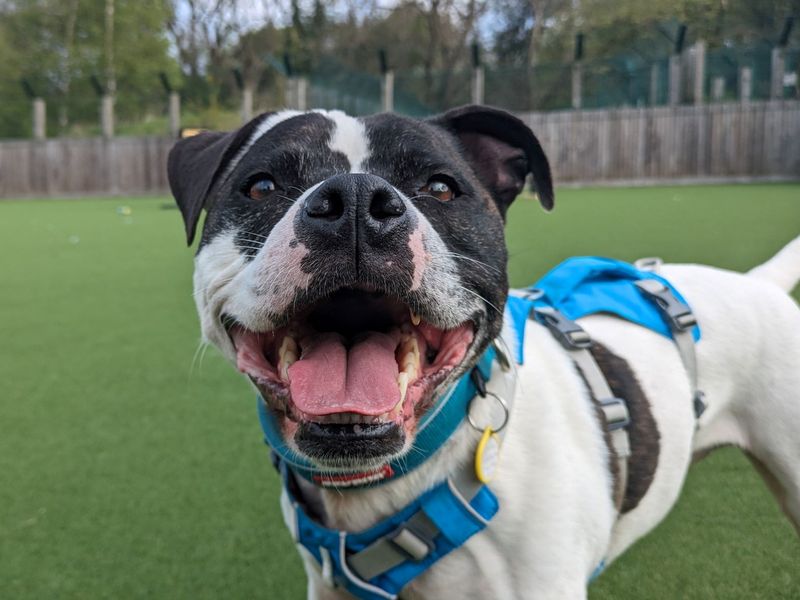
{"x": 486, "y": 456}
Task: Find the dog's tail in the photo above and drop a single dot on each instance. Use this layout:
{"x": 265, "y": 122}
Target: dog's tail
{"x": 783, "y": 269}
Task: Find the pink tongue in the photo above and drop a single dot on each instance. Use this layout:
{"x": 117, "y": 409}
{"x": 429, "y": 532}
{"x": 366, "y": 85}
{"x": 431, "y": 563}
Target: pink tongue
{"x": 329, "y": 379}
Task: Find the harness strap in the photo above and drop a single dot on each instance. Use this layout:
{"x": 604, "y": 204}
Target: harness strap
{"x": 377, "y": 563}
{"x": 577, "y": 342}
{"x": 681, "y": 321}
{"x": 415, "y": 538}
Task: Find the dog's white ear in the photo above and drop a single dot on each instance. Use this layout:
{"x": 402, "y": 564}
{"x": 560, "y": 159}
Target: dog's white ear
{"x": 502, "y": 150}
{"x": 195, "y": 163}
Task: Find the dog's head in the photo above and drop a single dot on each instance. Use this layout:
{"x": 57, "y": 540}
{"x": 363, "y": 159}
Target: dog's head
{"x": 354, "y": 268}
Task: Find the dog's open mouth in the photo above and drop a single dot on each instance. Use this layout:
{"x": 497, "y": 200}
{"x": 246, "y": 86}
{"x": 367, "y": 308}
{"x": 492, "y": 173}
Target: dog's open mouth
{"x": 355, "y": 358}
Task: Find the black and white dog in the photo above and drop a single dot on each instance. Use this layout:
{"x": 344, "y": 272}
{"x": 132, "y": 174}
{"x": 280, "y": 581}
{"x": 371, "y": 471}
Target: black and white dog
{"x": 354, "y": 268}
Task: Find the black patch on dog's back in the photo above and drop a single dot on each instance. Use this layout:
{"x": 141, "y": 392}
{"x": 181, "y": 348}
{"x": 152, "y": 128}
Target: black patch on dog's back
{"x": 642, "y": 432}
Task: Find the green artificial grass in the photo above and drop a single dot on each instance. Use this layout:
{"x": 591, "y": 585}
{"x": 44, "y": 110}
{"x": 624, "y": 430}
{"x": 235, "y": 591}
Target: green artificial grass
{"x": 132, "y": 466}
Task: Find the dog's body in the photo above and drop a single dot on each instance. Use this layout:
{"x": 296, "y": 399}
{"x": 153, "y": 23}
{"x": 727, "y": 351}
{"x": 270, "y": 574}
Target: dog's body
{"x": 257, "y": 270}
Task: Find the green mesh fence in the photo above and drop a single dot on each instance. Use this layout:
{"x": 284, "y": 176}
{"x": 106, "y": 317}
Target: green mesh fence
{"x": 625, "y": 81}
{"x": 520, "y": 89}
{"x": 420, "y": 93}
{"x": 331, "y": 85}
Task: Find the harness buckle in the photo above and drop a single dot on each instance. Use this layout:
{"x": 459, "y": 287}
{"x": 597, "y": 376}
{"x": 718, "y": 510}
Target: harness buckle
{"x": 616, "y": 413}
{"x": 412, "y": 543}
{"x": 569, "y": 334}
{"x": 678, "y": 314}
{"x": 699, "y": 402}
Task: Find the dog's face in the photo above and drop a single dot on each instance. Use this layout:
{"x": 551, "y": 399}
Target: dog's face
{"x": 354, "y": 268}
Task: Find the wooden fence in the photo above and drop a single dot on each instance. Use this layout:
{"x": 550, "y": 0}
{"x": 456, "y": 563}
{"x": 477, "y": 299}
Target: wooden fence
{"x": 717, "y": 141}
{"x": 69, "y": 167}
{"x": 714, "y": 141}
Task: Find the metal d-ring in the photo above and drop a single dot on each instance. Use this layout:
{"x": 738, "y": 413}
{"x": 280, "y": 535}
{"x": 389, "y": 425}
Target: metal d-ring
{"x": 503, "y": 405}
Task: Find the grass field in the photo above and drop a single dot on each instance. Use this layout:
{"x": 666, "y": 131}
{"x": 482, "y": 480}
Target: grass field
{"x": 132, "y": 468}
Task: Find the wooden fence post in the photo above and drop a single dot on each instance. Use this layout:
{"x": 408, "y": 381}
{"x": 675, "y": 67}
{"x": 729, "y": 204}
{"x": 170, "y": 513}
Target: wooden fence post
{"x": 107, "y": 115}
{"x": 387, "y": 91}
{"x": 674, "y": 80}
{"x": 39, "y": 119}
{"x": 745, "y": 84}
{"x": 478, "y": 76}
{"x": 776, "y": 74}
{"x": 247, "y": 103}
{"x": 675, "y": 64}
{"x": 699, "y": 71}
{"x": 654, "y": 77}
{"x": 718, "y": 89}
{"x": 577, "y": 73}
{"x": 577, "y": 85}
{"x": 174, "y": 114}
{"x": 387, "y": 82}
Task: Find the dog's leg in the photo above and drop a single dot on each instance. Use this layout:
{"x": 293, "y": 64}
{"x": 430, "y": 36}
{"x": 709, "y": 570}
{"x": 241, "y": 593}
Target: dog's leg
{"x": 749, "y": 359}
{"x": 773, "y": 414}
{"x": 777, "y": 489}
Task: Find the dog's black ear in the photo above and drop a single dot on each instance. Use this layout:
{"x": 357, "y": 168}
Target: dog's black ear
{"x": 194, "y": 165}
{"x": 502, "y": 150}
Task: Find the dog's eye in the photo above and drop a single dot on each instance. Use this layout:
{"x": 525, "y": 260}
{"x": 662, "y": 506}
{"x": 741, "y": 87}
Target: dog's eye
{"x": 439, "y": 189}
{"x": 260, "y": 187}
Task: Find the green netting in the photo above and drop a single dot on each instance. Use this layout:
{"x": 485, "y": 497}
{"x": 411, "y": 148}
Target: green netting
{"x": 624, "y": 81}
{"x": 332, "y": 85}
{"x": 543, "y": 87}
{"x": 420, "y": 93}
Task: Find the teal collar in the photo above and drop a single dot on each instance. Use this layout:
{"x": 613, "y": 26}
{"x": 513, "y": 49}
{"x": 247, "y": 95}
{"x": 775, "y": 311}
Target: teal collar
{"x": 433, "y": 431}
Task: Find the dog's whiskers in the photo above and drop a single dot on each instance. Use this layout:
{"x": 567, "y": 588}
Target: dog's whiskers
{"x": 252, "y": 233}
{"x": 475, "y": 261}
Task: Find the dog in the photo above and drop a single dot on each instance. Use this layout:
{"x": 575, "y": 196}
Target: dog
{"x": 354, "y": 269}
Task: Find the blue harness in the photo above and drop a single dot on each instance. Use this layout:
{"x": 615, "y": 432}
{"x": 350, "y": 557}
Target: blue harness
{"x": 442, "y": 518}
{"x": 587, "y": 285}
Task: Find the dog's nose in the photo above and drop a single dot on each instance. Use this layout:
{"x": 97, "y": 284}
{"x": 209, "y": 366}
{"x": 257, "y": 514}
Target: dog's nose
{"x": 354, "y": 201}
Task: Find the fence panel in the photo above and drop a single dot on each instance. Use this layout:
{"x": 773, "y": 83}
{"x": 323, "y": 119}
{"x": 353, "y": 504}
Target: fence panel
{"x": 66, "y": 167}
{"x": 730, "y": 140}
{"x": 726, "y": 140}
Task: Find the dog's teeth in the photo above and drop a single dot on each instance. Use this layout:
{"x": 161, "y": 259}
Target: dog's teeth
{"x": 287, "y": 356}
{"x": 287, "y": 359}
{"x": 402, "y": 383}
{"x": 415, "y": 318}
{"x": 288, "y": 344}
{"x": 395, "y": 412}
